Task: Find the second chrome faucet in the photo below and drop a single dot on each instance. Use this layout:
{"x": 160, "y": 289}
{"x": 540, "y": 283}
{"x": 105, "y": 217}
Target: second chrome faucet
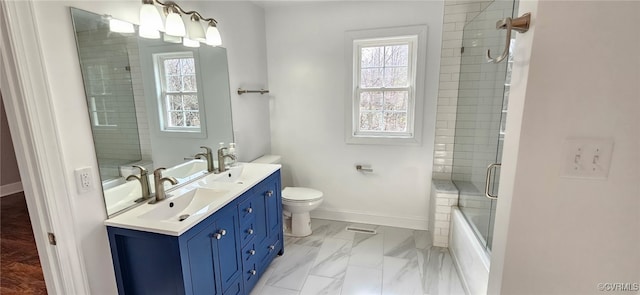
{"x": 222, "y": 155}
{"x": 144, "y": 182}
{"x": 208, "y": 156}
{"x": 159, "y": 183}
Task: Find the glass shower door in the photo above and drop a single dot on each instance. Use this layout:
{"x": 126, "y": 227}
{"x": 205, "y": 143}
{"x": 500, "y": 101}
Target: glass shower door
{"x": 480, "y": 120}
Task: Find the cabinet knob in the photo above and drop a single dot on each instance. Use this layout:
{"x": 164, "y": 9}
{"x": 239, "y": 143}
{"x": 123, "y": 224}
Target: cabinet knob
{"x": 250, "y": 231}
{"x": 249, "y": 210}
{"x": 272, "y": 247}
{"x": 217, "y": 236}
{"x": 269, "y": 193}
{"x": 252, "y": 252}
{"x": 253, "y": 272}
{"x": 222, "y": 232}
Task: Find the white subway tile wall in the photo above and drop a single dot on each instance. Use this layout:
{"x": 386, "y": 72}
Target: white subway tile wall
{"x": 107, "y": 75}
{"x": 456, "y": 14}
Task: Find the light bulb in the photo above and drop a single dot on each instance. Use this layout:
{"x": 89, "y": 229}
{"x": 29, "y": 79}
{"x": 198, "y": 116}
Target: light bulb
{"x": 175, "y": 25}
{"x": 213, "y": 35}
{"x": 150, "y": 17}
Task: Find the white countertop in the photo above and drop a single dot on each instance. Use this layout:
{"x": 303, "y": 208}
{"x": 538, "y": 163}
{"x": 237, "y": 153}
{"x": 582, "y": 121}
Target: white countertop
{"x": 251, "y": 175}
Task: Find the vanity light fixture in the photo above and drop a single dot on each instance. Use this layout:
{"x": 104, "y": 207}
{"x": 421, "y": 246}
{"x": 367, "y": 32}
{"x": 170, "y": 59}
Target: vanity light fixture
{"x": 174, "y": 26}
{"x": 194, "y": 29}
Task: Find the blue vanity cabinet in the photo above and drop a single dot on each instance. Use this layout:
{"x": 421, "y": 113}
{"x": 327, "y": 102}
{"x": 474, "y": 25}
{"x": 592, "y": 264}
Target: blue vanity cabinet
{"x": 224, "y": 254}
{"x": 215, "y": 243}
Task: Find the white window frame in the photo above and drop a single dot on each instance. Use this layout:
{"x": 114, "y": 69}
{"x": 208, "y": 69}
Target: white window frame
{"x": 162, "y": 94}
{"x": 416, "y": 37}
{"x": 97, "y": 107}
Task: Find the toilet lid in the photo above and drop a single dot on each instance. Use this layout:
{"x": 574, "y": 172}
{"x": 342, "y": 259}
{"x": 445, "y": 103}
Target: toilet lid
{"x": 301, "y": 194}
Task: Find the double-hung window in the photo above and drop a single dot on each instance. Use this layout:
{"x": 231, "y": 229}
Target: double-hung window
{"x": 179, "y": 103}
{"x": 384, "y": 93}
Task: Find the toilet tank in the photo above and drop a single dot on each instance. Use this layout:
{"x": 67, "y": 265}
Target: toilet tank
{"x": 268, "y": 159}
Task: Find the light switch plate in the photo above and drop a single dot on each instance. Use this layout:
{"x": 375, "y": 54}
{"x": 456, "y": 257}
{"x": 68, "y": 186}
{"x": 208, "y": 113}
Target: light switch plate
{"x": 588, "y": 158}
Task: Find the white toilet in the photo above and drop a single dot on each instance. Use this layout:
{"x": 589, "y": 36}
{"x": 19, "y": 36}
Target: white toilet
{"x": 297, "y": 202}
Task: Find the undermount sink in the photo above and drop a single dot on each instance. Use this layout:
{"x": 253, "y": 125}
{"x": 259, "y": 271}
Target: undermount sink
{"x": 179, "y": 208}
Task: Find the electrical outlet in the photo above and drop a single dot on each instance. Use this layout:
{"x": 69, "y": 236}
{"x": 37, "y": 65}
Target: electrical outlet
{"x": 84, "y": 180}
{"x": 587, "y": 157}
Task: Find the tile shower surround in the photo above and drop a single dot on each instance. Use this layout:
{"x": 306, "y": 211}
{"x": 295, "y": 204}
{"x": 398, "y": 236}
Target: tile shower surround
{"x": 335, "y": 261}
{"x": 456, "y": 14}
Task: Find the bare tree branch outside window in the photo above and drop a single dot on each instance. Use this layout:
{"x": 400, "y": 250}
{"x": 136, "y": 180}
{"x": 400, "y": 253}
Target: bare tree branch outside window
{"x": 384, "y": 88}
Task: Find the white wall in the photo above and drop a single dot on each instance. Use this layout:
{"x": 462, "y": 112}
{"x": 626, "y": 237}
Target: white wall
{"x": 573, "y": 76}
{"x": 306, "y": 57}
{"x": 242, "y": 31}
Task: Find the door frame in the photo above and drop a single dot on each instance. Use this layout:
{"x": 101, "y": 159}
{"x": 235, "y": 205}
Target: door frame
{"x": 30, "y": 113}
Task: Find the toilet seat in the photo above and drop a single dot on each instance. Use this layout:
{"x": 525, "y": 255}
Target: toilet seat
{"x": 301, "y": 194}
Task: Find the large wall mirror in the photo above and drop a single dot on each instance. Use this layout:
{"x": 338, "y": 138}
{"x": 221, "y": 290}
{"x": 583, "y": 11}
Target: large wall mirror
{"x": 151, "y": 103}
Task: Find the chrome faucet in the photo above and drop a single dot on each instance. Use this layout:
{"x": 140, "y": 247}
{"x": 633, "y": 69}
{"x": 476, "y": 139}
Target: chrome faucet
{"x": 207, "y": 155}
{"x": 144, "y": 182}
{"x": 159, "y": 182}
{"x": 221, "y": 156}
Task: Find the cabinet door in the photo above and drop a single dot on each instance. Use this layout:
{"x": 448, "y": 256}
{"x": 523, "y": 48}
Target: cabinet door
{"x": 271, "y": 194}
{"x": 228, "y": 249}
{"x": 200, "y": 250}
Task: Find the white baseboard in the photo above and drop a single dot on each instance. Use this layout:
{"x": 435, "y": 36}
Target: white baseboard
{"x": 372, "y": 218}
{"x": 10, "y": 189}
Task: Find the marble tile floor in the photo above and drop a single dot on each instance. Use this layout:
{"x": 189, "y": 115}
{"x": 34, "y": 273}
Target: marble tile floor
{"x": 334, "y": 261}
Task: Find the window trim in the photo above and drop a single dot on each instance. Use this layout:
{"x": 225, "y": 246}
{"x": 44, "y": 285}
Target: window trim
{"x": 162, "y": 107}
{"x": 385, "y": 36}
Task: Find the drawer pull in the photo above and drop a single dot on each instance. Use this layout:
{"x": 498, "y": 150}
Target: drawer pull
{"x": 249, "y": 210}
{"x": 253, "y": 272}
{"x": 271, "y": 248}
{"x": 217, "y": 236}
{"x": 222, "y": 232}
{"x": 252, "y": 252}
{"x": 250, "y": 231}
{"x": 269, "y": 193}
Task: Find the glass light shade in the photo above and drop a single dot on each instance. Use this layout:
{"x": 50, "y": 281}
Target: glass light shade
{"x": 190, "y": 43}
{"x": 175, "y": 25}
{"x": 119, "y": 26}
{"x": 150, "y": 17}
{"x": 171, "y": 39}
{"x": 148, "y": 32}
{"x": 213, "y": 36}
{"x": 194, "y": 30}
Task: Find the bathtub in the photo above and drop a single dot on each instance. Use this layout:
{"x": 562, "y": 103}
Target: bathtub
{"x": 468, "y": 253}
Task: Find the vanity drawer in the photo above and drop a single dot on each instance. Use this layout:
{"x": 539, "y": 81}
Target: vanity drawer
{"x": 247, "y": 209}
{"x": 251, "y": 276}
{"x": 250, "y": 255}
{"x": 269, "y": 250}
{"x": 247, "y": 231}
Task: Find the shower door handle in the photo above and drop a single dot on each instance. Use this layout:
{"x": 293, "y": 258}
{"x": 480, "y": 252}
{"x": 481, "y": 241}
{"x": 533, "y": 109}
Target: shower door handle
{"x": 519, "y": 24}
{"x": 487, "y": 181}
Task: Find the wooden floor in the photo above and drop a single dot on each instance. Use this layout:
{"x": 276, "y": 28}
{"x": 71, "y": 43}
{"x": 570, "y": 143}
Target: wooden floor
{"x": 20, "y": 270}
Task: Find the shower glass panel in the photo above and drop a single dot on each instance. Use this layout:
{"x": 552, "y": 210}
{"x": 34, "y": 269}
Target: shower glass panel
{"x": 481, "y": 113}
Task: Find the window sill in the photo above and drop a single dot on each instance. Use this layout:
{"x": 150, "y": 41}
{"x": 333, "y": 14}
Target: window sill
{"x": 383, "y": 140}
